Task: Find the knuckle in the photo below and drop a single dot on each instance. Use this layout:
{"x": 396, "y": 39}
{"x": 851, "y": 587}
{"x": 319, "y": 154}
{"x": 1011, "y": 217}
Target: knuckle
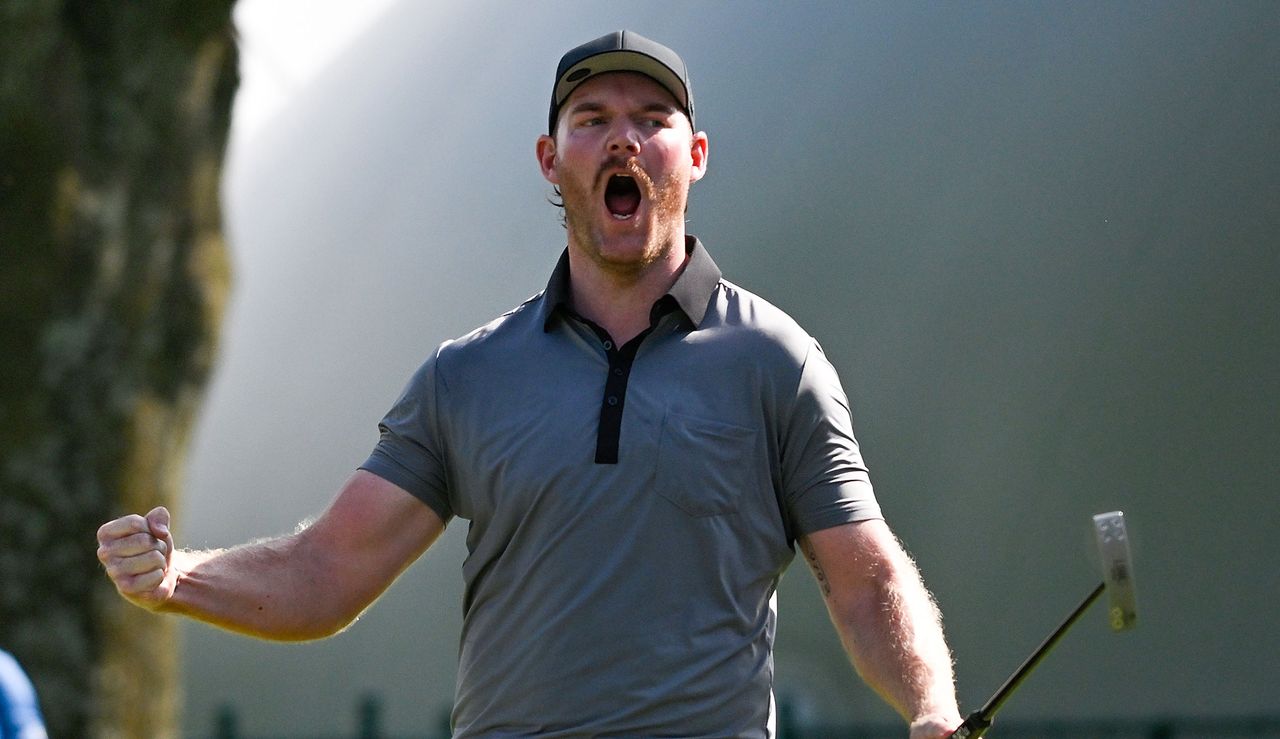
{"x": 126, "y": 586}
{"x": 135, "y": 544}
{"x": 121, "y": 527}
{"x": 114, "y": 572}
{"x": 142, "y": 563}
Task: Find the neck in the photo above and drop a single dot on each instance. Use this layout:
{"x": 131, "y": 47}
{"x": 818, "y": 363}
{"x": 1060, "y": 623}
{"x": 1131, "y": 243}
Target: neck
{"x": 619, "y": 299}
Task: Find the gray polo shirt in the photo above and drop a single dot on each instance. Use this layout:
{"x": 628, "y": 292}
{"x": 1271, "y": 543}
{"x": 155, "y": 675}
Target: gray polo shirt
{"x": 630, "y": 509}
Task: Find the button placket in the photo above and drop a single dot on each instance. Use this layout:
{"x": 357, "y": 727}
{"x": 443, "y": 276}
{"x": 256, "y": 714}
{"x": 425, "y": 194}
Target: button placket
{"x": 618, "y": 373}
{"x": 615, "y": 391}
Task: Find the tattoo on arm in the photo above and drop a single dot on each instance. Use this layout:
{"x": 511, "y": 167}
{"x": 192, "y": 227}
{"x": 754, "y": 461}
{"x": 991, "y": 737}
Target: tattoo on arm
{"x": 811, "y": 555}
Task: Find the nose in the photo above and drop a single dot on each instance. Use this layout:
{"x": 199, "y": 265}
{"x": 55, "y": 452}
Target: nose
{"x": 624, "y": 138}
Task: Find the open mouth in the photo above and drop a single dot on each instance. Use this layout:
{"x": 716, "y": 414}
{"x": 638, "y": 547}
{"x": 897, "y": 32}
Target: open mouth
{"x": 622, "y": 196}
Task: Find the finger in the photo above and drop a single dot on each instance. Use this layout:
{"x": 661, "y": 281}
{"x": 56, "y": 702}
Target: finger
{"x": 121, "y": 527}
{"x": 142, "y": 586}
{"x": 124, "y": 567}
{"x": 130, "y": 546}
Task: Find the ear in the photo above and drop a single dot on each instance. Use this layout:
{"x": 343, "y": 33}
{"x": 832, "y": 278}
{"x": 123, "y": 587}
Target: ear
{"x": 698, "y": 155}
{"x": 546, "y": 149}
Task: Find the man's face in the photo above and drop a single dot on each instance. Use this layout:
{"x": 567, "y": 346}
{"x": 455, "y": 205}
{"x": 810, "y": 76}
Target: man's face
{"x": 624, "y": 157}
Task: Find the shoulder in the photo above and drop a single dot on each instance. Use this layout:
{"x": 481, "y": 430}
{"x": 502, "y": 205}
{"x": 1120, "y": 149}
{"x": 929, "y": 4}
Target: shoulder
{"x": 757, "y": 324}
{"x": 15, "y": 686}
{"x": 9, "y": 669}
{"x": 501, "y": 335}
{"x": 477, "y": 349}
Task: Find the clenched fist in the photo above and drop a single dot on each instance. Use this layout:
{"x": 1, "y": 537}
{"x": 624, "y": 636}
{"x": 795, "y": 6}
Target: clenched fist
{"x": 137, "y": 552}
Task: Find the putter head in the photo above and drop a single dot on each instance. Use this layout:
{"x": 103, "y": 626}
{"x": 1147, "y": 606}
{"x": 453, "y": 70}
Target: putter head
{"x": 1117, "y": 569}
{"x": 1117, "y": 581}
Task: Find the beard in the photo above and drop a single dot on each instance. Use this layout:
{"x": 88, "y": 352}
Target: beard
{"x": 666, "y": 200}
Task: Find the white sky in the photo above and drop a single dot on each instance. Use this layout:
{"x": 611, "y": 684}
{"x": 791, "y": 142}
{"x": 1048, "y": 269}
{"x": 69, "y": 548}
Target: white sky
{"x": 284, "y": 44}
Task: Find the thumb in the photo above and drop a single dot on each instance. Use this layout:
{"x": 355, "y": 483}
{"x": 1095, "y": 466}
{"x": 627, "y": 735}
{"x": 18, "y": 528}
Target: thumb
{"x": 158, "y": 523}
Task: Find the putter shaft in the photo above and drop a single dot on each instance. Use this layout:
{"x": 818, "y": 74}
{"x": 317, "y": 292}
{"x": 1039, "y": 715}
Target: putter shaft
{"x": 980, "y": 720}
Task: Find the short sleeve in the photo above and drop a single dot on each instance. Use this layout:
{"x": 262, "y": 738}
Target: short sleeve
{"x": 825, "y": 482}
{"x": 409, "y": 452}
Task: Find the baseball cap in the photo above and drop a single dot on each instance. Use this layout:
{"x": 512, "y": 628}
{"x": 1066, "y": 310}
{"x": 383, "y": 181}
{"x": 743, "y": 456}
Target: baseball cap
{"x": 621, "y": 51}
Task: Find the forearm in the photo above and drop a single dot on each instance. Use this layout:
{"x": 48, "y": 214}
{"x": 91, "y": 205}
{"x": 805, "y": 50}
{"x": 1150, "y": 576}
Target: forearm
{"x": 893, "y": 634}
{"x": 307, "y": 585}
{"x": 886, "y": 619}
{"x": 274, "y": 589}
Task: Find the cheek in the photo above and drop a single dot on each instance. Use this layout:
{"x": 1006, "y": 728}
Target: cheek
{"x": 576, "y": 158}
{"x": 672, "y": 159}
{"x": 672, "y": 168}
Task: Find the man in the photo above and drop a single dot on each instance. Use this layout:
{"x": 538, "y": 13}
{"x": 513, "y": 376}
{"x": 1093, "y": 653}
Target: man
{"x": 638, "y": 449}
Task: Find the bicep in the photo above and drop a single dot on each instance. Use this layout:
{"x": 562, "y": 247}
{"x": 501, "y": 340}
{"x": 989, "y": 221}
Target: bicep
{"x": 852, "y": 561}
{"x": 871, "y": 585}
{"x": 370, "y": 533}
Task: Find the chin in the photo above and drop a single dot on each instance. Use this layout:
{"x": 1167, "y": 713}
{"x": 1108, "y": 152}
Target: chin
{"x": 623, "y": 246}
{"x": 627, "y": 257}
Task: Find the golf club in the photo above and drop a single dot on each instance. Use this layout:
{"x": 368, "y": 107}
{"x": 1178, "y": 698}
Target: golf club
{"x": 1117, "y": 580}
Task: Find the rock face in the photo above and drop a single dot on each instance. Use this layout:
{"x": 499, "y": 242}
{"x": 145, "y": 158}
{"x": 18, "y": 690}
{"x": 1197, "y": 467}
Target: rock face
{"x": 113, "y": 121}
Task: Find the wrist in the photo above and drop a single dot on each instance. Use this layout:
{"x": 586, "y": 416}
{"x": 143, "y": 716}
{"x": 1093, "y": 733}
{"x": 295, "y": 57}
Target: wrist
{"x": 938, "y": 722}
{"x": 170, "y": 601}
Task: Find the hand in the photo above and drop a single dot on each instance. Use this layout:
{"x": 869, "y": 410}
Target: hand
{"x": 935, "y": 726}
{"x": 137, "y": 552}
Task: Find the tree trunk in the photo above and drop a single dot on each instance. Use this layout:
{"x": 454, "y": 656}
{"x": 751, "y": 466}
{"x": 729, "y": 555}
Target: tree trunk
{"x": 113, "y": 121}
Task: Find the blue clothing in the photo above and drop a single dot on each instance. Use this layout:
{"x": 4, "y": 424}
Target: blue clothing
{"x": 19, "y": 712}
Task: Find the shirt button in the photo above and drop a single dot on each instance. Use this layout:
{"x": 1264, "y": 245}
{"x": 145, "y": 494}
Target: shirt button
{"x": 613, "y": 400}
{"x": 608, "y": 345}
{"x": 617, "y": 371}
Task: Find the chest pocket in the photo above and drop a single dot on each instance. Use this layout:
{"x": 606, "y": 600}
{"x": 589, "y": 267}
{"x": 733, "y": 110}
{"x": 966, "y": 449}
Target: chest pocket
{"x": 707, "y": 468}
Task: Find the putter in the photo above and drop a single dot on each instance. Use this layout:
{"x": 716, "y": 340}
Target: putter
{"x": 1117, "y": 581}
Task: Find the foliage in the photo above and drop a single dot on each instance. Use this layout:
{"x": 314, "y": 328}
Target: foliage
{"x": 113, "y": 121}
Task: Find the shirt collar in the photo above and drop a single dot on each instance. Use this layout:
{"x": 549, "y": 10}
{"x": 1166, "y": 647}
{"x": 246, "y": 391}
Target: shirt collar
{"x": 692, "y": 290}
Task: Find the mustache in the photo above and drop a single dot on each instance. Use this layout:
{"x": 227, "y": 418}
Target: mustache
{"x": 610, "y": 167}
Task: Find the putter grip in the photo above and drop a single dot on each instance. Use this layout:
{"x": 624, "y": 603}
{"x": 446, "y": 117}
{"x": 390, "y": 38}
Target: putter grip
{"x": 974, "y": 726}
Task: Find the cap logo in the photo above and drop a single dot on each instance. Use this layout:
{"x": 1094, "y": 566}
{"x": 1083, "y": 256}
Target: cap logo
{"x": 578, "y": 74}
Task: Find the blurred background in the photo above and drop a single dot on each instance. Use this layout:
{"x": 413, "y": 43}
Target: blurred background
{"x": 1040, "y": 241}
